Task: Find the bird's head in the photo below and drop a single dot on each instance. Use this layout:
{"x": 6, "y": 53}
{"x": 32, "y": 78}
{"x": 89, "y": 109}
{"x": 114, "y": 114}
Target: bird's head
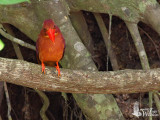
{"x": 50, "y": 29}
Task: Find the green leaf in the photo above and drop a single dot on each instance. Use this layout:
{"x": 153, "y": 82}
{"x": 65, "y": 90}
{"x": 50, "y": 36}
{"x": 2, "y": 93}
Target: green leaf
{"x": 1, "y": 45}
{"x": 10, "y": 2}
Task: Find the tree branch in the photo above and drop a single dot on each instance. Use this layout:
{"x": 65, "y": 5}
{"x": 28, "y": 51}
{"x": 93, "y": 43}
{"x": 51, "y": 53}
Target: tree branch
{"x": 78, "y": 81}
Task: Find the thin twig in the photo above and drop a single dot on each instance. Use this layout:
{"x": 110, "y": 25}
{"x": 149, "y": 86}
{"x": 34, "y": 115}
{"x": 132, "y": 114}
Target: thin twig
{"x": 8, "y": 101}
{"x": 151, "y": 41}
{"x": 16, "y": 40}
{"x": 107, "y": 40}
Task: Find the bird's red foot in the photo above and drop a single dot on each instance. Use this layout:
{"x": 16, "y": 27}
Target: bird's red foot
{"x": 43, "y": 68}
{"x": 58, "y": 69}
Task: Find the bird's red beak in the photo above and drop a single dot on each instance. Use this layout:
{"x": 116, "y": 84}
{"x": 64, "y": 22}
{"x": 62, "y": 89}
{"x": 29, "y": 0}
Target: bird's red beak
{"x": 51, "y": 34}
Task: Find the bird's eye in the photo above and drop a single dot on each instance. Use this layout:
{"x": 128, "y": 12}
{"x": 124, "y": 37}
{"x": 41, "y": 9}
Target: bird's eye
{"x": 44, "y": 29}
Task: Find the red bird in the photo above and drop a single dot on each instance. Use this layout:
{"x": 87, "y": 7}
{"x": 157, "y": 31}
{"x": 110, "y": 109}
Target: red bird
{"x": 50, "y": 45}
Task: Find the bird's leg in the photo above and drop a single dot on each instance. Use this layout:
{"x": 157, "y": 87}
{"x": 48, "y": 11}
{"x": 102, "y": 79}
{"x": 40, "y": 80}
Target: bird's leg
{"x": 58, "y": 69}
{"x": 43, "y": 68}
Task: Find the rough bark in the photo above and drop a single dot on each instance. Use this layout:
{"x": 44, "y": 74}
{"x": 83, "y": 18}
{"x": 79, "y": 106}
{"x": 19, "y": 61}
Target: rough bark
{"x": 77, "y": 19}
{"x": 78, "y": 81}
{"x": 108, "y": 108}
{"x": 130, "y": 10}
